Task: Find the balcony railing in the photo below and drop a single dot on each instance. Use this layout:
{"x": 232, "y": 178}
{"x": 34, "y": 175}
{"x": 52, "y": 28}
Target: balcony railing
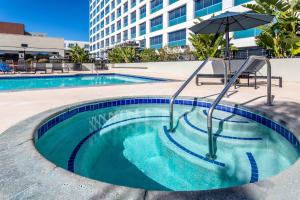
{"x": 156, "y": 8}
{"x": 208, "y": 10}
{"x": 239, "y": 2}
{"x": 156, "y": 28}
{"x": 178, "y": 20}
{"x": 156, "y": 46}
{"x": 253, "y": 32}
{"x": 177, "y": 43}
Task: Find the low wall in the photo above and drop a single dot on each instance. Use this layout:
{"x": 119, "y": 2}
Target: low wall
{"x": 289, "y": 69}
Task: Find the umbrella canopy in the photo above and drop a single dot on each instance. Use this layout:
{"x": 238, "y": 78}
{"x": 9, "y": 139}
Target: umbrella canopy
{"x": 232, "y": 21}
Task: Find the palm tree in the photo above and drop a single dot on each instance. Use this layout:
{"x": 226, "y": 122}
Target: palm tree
{"x": 79, "y": 55}
{"x": 280, "y": 37}
{"x": 122, "y": 54}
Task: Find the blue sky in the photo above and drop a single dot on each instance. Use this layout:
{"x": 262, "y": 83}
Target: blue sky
{"x": 58, "y": 18}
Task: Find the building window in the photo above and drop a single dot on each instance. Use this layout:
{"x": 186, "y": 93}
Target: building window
{"x": 156, "y": 42}
{"x": 112, "y": 28}
{"x": 119, "y": 25}
{"x": 113, "y": 4}
{"x": 177, "y": 38}
{"x": 107, "y": 20}
{"x": 206, "y": 7}
{"x": 143, "y": 43}
{"x": 107, "y": 31}
{"x": 177, "y": 16}
{"x": 119, "y": 12}
{"x": 156, "y": 23}
{"x": 112, "y": 40}
{"x": 133, "y": 17}
{"x": 156, "y": 5}
{"x": 133, "y": 3}
{"x": 113, "y": 16}
{"x": 125, "y": 35}
{"x": 125, "y": 21}
{"x": 143, "y": 28}
{"x": 125, "y": 7}
{"x": 107, "y": 10}
{"x": 107, "y": 42}
{"x": 118, "y": 37}
{"x": 143, "y": 12}
{"x": 133, "y": 32}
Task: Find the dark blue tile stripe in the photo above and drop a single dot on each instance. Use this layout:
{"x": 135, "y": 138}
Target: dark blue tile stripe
{"x": 189, "y": 151}
{"x": 226, "y": 120}
{"x": 254, "y": 168}
{"x": 288, "y": 135}
{"x": 73, "y": 155}
{"x": 216, "y": 135}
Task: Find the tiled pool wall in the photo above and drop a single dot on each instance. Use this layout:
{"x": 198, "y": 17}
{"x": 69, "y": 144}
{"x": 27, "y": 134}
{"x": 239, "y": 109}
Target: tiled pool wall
{"x": 69, "y": 113}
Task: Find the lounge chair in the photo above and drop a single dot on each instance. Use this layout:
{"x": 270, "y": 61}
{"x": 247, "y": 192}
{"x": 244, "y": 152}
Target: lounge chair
{"x": 250, "y": 73}
{"x": 5, "y": 68}
{"x": 21, "y": 66}
{"x": 57, "y": 67}
{"x": 41, "y": 67}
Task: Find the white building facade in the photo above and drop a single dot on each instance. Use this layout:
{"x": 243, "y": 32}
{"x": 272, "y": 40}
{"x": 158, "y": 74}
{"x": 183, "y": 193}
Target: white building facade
{"x": 156, "y": 23}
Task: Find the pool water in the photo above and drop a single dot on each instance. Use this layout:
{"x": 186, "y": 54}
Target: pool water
{"x": 62, "y": 81}
{"x": 130, "y": 145}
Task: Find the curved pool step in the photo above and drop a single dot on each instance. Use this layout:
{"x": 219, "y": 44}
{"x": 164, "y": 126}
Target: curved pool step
{"x": 150, "y": 161}
{"x": 227, "y": 118}
{"x": 229, "y": 163}
{"x": 225, "y": 122}
{"x": 241, "y": 132}
{"x": 224, "y": 135}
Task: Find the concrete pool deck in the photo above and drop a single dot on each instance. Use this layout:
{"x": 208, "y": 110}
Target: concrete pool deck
{"x": 26, "y": 174}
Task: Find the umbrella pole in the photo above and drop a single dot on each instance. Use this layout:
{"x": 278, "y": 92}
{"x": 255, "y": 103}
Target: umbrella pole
{"x": 227, "y": 47}
{"x": 227, "y": 57}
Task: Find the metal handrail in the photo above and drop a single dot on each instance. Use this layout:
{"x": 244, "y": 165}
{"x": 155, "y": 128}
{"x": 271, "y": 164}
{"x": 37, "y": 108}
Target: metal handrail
{"x": 211, "y": 143}
{"x": 189, "y": 80}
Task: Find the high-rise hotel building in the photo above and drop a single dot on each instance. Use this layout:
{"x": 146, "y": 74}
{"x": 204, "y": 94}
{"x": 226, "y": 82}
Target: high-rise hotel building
{"x": 155, "y": 23}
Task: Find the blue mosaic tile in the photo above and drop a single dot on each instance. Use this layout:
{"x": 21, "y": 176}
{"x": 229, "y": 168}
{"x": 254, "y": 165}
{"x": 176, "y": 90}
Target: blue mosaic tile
{"x": 254, "y": 168}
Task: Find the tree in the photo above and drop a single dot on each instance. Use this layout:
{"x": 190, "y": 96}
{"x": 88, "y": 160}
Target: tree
{"x": 281, "y": 36}
{"x": 207, "y": 45}
{"x": 79, "y": 55}
{"x": 148, "y": 55}
{"x": 122, "y": 54}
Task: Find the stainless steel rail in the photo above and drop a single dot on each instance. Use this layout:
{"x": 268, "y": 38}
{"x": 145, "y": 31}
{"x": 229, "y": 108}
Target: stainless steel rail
{"x": 211, "y": 143}
{"x": 189, "y": 80}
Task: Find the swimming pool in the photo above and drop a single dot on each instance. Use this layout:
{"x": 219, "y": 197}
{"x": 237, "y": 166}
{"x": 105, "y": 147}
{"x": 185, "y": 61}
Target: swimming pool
{"x": 64, "y": 81}
{"x": 126, "y": 142}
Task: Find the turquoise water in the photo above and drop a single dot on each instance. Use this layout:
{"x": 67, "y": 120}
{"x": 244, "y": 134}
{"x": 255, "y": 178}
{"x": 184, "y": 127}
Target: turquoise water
{"x": 25, "y": 83}
{"x": 130, "y": 146}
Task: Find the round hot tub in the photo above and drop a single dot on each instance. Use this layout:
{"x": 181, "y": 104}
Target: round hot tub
{"x": 127, "y": 142}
